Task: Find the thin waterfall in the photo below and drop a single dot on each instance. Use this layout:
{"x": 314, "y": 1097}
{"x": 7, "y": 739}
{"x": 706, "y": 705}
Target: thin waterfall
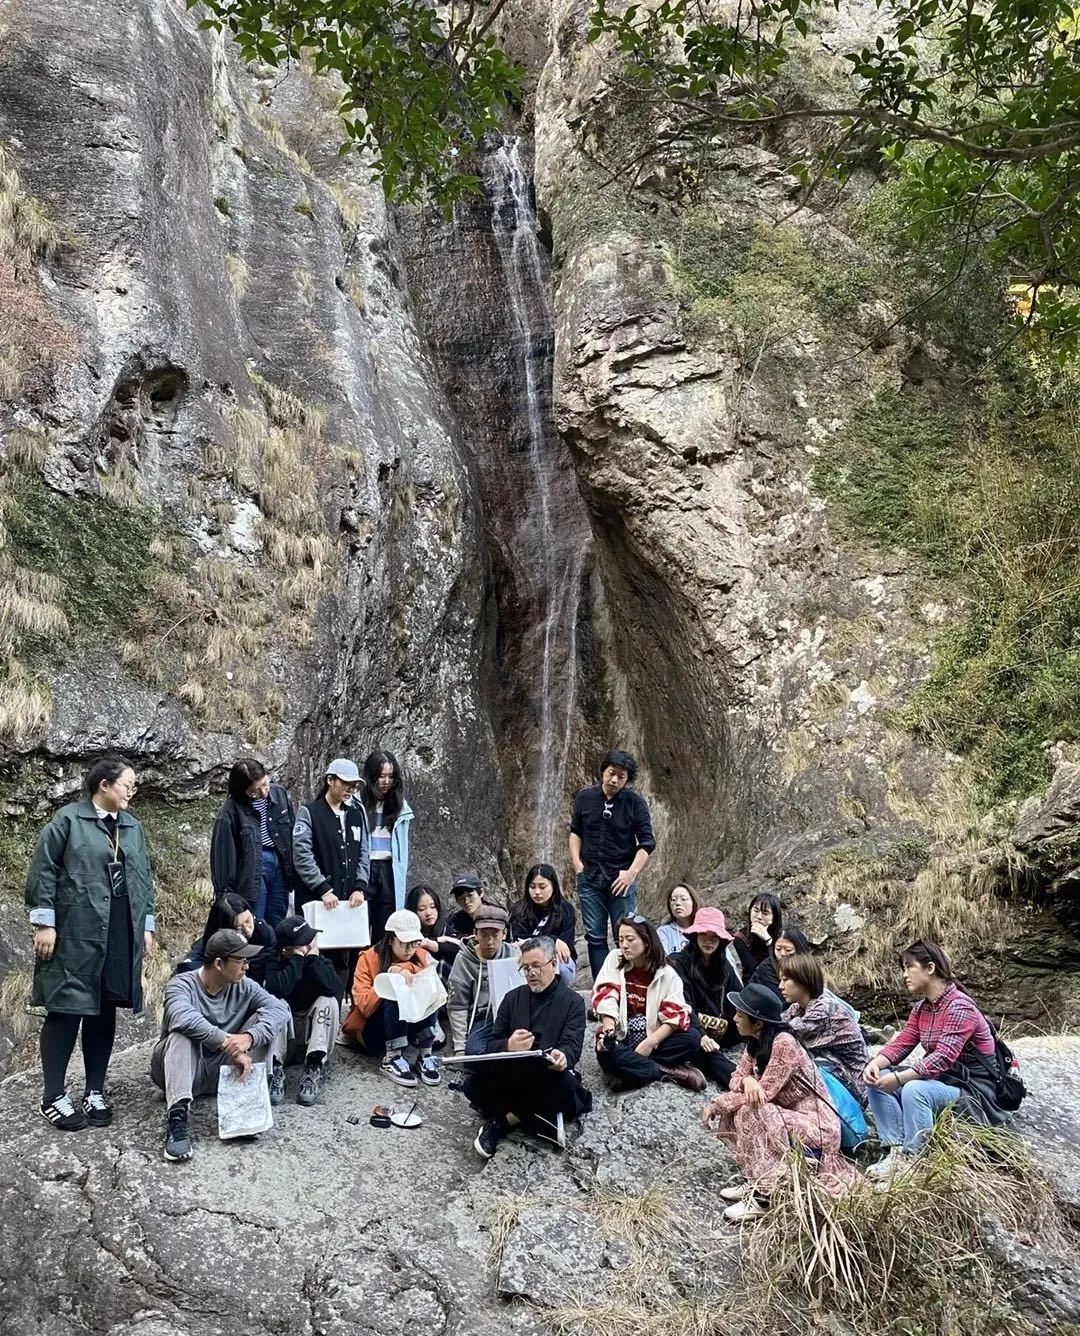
{"x": 554, "y": 535}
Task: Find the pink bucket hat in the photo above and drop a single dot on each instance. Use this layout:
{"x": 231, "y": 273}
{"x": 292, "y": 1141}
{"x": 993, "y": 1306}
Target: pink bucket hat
{"x": 710, "y": 920}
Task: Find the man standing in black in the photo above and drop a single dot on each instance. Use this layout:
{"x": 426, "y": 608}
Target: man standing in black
{"x": 611, "y": 838}
{"x": 542, "y": 1092}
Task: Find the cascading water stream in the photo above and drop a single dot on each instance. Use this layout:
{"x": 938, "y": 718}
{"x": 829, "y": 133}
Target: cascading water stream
{"x": 554, "y": 535}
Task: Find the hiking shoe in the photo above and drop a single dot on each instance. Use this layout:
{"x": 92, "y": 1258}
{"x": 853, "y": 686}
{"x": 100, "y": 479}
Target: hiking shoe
{"x": 750, "y": 1208}
{"x": 398, "y": 1070}
{"x": 550, "y": 1129}
{"x": 689, "y": 1077}
{"x": 177, "y": 1136}
{"x": 886, "y": 1169}
{"x": 98, "y": 1112}
{"x": 428, "y": 1070}
{"x": 488, "y": 1138}
{"x": 63, "y": 1115}
{"x": 737, "y": 1192}
{"x": 310, "y": 1085}
{"x": 276, "y": 1082}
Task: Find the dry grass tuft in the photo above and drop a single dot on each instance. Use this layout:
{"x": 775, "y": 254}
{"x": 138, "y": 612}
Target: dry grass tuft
{"x": 14, "y": 1000}
{"x": 26, "y": 449}
{"x": 25, "y": 703}
{"x": 238, "y": 274}
{"x": 639, "y": 1318}
{"x": 909, "y": 1259}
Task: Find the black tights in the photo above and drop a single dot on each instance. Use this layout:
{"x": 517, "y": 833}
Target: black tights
{"x": 58, "y": 1035}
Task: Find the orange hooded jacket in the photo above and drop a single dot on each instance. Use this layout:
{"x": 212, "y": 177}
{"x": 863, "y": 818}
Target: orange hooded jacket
{"x": 365, "y": 998}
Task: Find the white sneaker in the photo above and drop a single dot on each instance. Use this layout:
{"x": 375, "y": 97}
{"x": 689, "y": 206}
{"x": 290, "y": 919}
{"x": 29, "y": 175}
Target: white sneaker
{"x": 748, "y": 1209}
{"x": 887, "y": 1168}
{"x": 737, "y": 1191}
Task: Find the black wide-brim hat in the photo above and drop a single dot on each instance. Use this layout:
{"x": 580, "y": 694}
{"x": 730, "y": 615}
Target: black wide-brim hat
{"x": 758, "y": 1002}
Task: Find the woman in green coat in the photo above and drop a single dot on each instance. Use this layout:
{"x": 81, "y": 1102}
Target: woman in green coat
{"x": 91, "y": 901}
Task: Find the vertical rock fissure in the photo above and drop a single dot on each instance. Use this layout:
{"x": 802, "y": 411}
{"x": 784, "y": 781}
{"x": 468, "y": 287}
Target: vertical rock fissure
{"x": 553, "y": 534}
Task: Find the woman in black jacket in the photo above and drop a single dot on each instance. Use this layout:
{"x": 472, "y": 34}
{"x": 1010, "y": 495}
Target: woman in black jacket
{"x": 232, "y": 911}
{"x": 542, "y": 912}
{"x": 707, "y": 979}
{"x": 764, "y": 924}
{"x": 251, "y": 846}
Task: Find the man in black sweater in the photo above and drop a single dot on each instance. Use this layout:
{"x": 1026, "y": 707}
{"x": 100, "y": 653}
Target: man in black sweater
{"x": 611, "y": 838}
{"x": 543, "y": 1014}
{"x": 311, "y": 987}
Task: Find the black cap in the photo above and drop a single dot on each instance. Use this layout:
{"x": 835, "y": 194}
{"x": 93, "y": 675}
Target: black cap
{"x": 466, "y": 881}
{"x": 295, "y": 931}
{"x": 758, "y": 1002}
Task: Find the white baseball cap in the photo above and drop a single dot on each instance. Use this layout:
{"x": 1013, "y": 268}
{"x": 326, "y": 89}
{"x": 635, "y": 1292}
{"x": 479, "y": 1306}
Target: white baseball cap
{"x": 344, "y": 769}
{"x": 405, "y": 926}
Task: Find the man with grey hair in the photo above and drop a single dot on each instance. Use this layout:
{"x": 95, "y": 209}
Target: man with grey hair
{"x": 542, "y": 1016}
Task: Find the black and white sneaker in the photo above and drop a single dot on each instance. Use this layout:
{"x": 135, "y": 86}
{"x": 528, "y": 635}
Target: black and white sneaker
{"x": 177, "y": 1136}
{"x": 98, "y": 1111}
{"x": 398, "y": 1070}
{"x": 488, "y": 1138}
{"x": 276, "y": 1083}
{"x": 63, "y": 1115}
{"x": 310, "y": 1084}
{"x": 428, "y": 1070}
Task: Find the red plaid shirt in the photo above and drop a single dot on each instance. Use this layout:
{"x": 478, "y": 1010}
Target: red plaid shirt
{"x": 950, "y": 1030}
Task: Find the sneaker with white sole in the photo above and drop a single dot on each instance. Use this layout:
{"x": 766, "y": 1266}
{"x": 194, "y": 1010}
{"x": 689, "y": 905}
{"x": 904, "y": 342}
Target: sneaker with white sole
{"x": 488, "y": 1138}
{"x": 429, "y": 1071}
{"x": 737, "y": 1191}
{"x": 97, "y": 1109}
{"x": 177, "y": 1136}
{"x": 310, "y": 1085}
{"x": 750, "y": 1208}
{"x": 63, "y": 1115}
{"x": 886, "y": 1169}
{"x": 276, "y": 1082}
{"x": 398, "y": 1070}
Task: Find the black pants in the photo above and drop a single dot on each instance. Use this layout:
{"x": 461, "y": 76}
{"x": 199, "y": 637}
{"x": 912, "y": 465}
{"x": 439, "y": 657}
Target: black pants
{"x": 522, "y": 1087}
{"x": 58, "y": 1034}
{"x": 380, "y": 896}
{"x": 620, "y": 1060}
{"x": 718, "y": 1067}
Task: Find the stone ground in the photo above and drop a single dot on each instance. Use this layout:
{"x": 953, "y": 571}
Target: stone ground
{"x": 325, "y": 1226}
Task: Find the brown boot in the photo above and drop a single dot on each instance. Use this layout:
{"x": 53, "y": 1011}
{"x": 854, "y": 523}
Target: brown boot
{"x": 689, "y": 1077}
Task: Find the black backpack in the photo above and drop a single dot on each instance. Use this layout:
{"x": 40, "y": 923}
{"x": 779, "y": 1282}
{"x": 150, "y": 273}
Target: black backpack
{"x": 1009, "y": 1088}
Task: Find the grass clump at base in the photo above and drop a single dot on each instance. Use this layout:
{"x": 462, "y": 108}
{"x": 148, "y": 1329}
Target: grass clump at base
{"x": 908, "y": 1260}
{"x": 986, "y": 491}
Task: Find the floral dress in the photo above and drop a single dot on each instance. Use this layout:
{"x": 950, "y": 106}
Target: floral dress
{"x": 797, "y": 1109}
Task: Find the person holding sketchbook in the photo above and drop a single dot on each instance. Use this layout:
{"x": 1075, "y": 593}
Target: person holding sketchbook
{"x": 483, "y": 972}
{"x": 542, "y": 1015}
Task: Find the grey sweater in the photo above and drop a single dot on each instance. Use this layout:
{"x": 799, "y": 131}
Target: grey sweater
{"x": 207, "y": 1019}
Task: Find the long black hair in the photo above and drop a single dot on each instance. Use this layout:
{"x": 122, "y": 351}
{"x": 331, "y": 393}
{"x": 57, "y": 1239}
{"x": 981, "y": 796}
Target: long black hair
{"x": 797, "y": 938}
{"x": 705, "y": 972}
{"x": 526, "y": 916}
{"x": 224, "y": 912}
{"x": 413, "y": 898}
{"x": 395, "y": 796}
{"x": 244, "y": 773}
{"x": 386, "y": 952}
{"x": 776, "y": 927}
{"x": 760, "y": 1048}
{"x": 106, "y": 770}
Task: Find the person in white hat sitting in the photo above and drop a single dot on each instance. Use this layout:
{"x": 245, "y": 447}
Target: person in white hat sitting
{"x": 374, "y": 1022}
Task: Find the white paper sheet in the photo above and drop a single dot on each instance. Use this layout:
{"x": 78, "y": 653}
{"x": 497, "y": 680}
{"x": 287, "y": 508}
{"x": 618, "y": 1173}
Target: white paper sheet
{"x": 416, "y": 1000}
{"x": 340, "y": 928}
{"x": 502, "y": 976}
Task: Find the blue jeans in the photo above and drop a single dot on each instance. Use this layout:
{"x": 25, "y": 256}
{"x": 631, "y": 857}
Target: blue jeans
{"x": 905, "y": 1119}
{"x": 476, "y": 1041}
{"x": 273, "y": 900}
{"x": 598, "y": 906}
{"x": 385, "y": 1032}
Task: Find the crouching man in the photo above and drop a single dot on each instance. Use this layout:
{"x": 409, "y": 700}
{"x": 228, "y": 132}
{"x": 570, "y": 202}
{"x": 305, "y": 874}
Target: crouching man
{"x": 310, "y": 986}
{"x": 540, "y": 1093}
{"x": 212, "y": 1015}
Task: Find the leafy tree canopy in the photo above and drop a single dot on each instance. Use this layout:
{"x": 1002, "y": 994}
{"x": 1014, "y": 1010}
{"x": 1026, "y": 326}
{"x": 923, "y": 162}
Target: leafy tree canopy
{"x": 975, "y": 103}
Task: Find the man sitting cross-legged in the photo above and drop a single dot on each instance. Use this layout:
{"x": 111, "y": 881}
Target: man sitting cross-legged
{"x": 311, "y": 987}
{"x": 212, "y": 1015}
{"x": 541, "y": 1092}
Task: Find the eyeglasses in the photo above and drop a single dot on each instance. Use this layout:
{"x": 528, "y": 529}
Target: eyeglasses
{"x": 535, "y": 969}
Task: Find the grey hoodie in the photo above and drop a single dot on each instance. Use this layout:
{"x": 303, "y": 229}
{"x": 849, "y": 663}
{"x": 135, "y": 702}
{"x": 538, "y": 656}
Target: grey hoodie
{"x": 468, "y": 1003}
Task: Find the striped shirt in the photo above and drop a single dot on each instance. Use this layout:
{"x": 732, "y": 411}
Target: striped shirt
{"x": 380, "y": 837}
{"x": 262, "y": 806}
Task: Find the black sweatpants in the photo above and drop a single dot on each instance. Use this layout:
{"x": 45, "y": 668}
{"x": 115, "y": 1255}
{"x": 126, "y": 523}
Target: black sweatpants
{"x": 622, "y": 1061}
{"x": 380, "y": 897}
{"x": 522, "y": 1087}
{"x": 58, "y": 1034}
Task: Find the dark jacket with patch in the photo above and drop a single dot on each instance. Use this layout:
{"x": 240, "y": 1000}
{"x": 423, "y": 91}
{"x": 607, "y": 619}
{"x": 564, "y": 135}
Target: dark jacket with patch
{"x": 236, "y": 844}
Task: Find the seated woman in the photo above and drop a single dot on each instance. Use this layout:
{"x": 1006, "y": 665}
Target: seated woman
{"x": 822, "y": 1023}
{"x": 707, "y": 978}
{"x": 754, "y": 943}
{"x": 683, "y": 903}
{"x": 425, "y": 904}
{"x": 542, "y": 912}
{"x": 776, "y": 1098}
{"x": 644, "y": 1032}
{"x": 959, "y": 1060}
{"x": 374, "y": 1023}
{"x": 233, "y": 911}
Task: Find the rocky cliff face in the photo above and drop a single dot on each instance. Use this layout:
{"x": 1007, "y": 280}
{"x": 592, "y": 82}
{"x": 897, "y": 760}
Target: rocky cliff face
{"x": 230, "y": 467}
